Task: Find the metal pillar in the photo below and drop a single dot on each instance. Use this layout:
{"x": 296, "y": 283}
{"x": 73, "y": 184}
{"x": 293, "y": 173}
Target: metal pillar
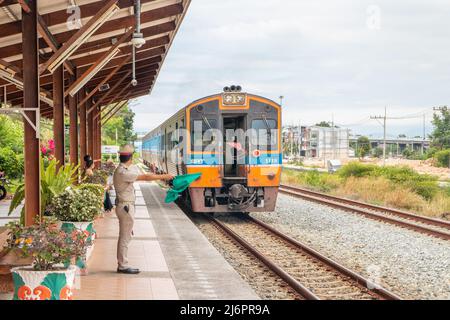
{"x": 58, "y": 114}
{"x": 83, "y": 128}
{"x": 31, "y": 100}
{"x": 73, "y": 130}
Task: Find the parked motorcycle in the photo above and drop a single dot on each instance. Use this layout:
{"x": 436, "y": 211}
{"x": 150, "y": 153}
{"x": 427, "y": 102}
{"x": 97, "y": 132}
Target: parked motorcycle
{"x": 3, "y": 183}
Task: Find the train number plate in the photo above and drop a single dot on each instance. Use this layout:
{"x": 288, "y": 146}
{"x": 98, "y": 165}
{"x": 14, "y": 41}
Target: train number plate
{"x": 234, "y": 99}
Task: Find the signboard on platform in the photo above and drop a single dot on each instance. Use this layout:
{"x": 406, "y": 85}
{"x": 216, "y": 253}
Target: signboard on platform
{"x": 110, "y": 149}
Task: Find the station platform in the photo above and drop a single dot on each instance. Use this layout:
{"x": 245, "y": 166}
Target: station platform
{"x": 175, "y": 259}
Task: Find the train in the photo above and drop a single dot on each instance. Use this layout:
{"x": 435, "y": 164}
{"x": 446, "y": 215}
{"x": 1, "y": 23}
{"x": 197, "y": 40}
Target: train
{"x": 233, "y": 139}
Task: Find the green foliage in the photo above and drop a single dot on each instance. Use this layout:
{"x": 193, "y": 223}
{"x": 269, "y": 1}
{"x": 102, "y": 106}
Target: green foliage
{"x": 377, "y": 152}
{"x": 53, "y": 182}
{"x": 77, "y": 205}
{"x": 363, "y": 147}
{"x": 442, "y": 158}
{"x": 422, "y": 184}
{"x": 99, "y": 177}
{"x": 356, "y": 169}
{"x": 121, "y": 127}
{"x": 440, "y": 137}
{"x": 324, "y": 182}
{"x": 11, "y": 133}
{"x": 323, "y": 124}
{"x": 11, "y": 163}
{"x": 97, "y": 189}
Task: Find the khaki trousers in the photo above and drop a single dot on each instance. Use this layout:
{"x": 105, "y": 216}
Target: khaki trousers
{"x": 126, "y": 222}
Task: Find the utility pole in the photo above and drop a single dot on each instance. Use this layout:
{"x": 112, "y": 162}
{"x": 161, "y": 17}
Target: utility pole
{"x": 423, "y": 142}
{"x": 281, "y": 100}
{"x": 384, "y": 118}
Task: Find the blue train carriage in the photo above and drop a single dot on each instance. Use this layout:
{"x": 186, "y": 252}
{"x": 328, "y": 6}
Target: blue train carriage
{"x": 234, "y": 140}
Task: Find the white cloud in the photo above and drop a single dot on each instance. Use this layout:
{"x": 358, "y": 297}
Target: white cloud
{"x": 319, "y": 54}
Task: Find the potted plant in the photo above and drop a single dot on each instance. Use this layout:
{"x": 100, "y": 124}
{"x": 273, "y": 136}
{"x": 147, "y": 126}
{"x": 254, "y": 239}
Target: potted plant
{"x": 76, "y": 209}
{"x": 50, "y": 277}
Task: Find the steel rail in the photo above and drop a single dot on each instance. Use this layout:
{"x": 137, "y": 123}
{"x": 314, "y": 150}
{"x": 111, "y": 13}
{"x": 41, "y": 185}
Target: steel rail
{"x": 396, "y": 212}
{"x": 296, "y": 285}
{"x": 385, "y": 294}
{"x": 339, "y": 204}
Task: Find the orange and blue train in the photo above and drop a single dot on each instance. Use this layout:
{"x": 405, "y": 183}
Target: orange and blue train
{"x": 237, "y": 174}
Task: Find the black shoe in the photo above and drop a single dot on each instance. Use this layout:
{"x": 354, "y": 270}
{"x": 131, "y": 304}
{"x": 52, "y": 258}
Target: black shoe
{"x": 128, "y": 271}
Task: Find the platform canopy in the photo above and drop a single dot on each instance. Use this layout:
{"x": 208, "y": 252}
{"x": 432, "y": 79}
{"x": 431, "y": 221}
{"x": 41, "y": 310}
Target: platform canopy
{"x": 95, "y": 50}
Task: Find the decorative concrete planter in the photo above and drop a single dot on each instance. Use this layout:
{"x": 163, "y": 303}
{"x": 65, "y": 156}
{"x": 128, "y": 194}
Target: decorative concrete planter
{"x": 86, "y": 227}
{"x": 43, "y": 285}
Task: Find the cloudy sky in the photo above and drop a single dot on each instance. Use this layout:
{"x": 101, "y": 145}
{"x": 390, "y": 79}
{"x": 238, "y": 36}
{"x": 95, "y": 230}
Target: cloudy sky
{"x": 346, "y": 59}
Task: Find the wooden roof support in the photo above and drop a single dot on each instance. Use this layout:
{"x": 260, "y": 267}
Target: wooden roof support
{"x": 108, "y": 92}
{"x": 52, "y": 43}
{"x": 81, "y": 36}
{"x": 60, "y": 16}
{"x": 110, "y": 75}
{"x": 142, "y": 80}
{"x": 105, "y": 121}
{"x": 116, "y": 96}
{"x": 106, "y": 112}
{"x": 100, "y": 63}
{"x": 31, "y": 100}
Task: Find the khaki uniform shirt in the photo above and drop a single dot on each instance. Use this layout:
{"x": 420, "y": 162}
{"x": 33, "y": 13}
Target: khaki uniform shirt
{"x": 124, "y": 177}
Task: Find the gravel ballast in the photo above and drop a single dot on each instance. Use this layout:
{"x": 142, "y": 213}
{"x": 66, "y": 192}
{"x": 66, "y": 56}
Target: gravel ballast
{"x": 413, "y": 265}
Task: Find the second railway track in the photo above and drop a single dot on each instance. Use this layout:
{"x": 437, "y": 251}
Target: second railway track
{"x": 312, "y": 275}
{"x": 425, "y": 225}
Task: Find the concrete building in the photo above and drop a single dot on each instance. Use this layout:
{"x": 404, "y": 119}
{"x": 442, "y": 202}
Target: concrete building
{"x": 325, "y": 143}
{"x": 316, "y": 142}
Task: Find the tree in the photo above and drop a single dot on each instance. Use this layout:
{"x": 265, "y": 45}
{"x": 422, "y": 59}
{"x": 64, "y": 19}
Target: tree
{"x": 378, "y": 152}
{"x": 440, "y": 137}
{"x": 121, "y": 127}
{"x": 11, "y": 133}
{"x": 363, "y": 146}
{"x": 323, "y": 124}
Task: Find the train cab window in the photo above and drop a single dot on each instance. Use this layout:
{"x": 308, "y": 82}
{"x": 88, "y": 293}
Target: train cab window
{"x": 202, "y": 135}
{"x": 266, "y": 128}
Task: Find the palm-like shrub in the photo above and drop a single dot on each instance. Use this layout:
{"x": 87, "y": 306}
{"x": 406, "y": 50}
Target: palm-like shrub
{"x": 53, "y": 182}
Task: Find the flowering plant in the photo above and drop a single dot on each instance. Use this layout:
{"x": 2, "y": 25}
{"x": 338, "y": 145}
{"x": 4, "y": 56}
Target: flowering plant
{"x": 49, "y": 149}
{"x": 46, "y": 244}
{"x": 77, "y": 205}
{"x": 99, "y": 177}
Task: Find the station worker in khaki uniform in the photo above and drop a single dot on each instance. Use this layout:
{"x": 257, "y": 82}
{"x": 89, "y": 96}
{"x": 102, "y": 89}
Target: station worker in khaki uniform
{"x": 124, "y": 177}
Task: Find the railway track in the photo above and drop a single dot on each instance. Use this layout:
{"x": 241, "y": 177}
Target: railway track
{"x": 312, "y": 275}
{"x": 434, "y": 227}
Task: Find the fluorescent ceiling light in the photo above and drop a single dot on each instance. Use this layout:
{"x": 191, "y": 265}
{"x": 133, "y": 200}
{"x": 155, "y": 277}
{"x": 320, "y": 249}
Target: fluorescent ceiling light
{"x": 70, "y": 49}
{"x": 19, "y": 84}
{"x": 92, "y": 72}
{"x": 10, "y": 78}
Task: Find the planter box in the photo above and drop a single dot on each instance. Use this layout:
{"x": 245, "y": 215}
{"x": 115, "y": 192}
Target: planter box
{"x": 86, "y": 227}
{"x": 43, "y": 285}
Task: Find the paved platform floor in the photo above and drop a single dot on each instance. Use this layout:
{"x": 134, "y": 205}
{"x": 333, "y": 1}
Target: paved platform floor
{"x": 175, "y": 259}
